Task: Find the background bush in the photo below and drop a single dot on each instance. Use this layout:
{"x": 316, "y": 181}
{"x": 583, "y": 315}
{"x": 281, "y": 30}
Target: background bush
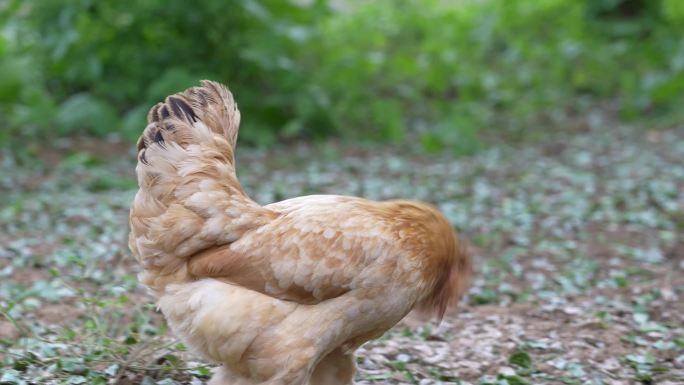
{"x": 439, "y": 72}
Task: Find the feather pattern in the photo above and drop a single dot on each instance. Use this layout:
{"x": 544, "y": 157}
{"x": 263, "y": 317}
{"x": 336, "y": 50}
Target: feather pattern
{"x": 282, "y": 293}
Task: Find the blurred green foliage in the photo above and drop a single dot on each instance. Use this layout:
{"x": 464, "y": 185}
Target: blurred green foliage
{"x": 438, "y": 72}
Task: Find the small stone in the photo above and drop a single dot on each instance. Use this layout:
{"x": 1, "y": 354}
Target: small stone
{"x": 403, "y": 357}
{"x": 572, "y": 310}
{"x": 507, "y": 371}
{"x": 610, "y": 364}
{"x": 8, "y": 331}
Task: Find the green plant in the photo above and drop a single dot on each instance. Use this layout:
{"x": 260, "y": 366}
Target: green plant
{"x": 439, "y": 74}
{"x": 112, "y": 59}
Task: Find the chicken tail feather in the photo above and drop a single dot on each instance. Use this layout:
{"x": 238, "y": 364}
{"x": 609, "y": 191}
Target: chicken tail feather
{"x": 190, "y": 197}
{"x": 210, "y": 105}
{"x": 452, "y": 283}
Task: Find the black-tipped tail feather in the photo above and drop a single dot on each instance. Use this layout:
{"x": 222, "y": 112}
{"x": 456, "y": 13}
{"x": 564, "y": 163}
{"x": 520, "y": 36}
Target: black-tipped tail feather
{"x": 211, "y": 103}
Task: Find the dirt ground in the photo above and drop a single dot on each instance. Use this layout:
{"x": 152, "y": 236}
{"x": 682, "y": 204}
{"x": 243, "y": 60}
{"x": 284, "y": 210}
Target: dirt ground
{"x": 577, "y": 240}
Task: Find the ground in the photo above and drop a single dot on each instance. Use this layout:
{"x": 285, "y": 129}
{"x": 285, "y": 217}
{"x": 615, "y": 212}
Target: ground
{"x": 577, "y": 239}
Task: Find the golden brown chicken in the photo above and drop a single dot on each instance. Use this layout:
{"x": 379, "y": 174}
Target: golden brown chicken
{"x": 283, "y": 293}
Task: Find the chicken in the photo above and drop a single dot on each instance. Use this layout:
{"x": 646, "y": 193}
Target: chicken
{"x": 282, "y": 293}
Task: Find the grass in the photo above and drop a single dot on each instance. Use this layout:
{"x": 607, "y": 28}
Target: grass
{"x": 577, "y": 240}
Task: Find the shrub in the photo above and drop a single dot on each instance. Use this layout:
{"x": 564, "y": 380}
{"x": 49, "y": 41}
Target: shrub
{"x": 119, "y": 56}
{"x": 439, "y": 73}
{"x": 451, "y": 71}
